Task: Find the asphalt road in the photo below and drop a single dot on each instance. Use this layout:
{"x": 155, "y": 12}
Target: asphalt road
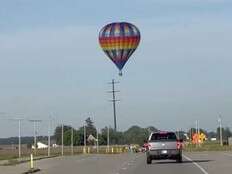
{"x": 194, "y": 163}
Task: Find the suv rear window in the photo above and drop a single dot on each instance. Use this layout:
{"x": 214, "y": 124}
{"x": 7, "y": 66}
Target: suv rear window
{"x": 169, "y": 136}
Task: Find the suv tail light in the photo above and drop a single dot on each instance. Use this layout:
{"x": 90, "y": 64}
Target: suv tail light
{"x": 148, "y": 146}
{"x": 178, "y": 145}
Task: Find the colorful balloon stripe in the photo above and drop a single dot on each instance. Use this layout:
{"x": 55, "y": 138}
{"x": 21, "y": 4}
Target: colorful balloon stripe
{"x": 118, "y": 39}
{"x": 119, "y": 43}
{"x": 119, "y": 46}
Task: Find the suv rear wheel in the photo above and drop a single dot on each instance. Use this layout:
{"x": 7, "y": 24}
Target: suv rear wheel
{"x": 179, "y": 159}
{"x": 149, "y": 160}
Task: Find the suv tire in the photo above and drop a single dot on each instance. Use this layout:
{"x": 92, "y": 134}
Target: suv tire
{"x": 179, "y": 159}
{"x": 149, "y": 160}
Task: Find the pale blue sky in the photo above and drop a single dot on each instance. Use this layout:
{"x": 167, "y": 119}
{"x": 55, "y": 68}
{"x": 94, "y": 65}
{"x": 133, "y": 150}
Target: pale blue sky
{"x": 51, "y": 63}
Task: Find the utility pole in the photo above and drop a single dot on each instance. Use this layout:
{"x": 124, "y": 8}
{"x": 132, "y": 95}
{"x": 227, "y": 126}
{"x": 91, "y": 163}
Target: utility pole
{"x": 199, "y": 143}
{"x": 197, "y": 125}
{"x": 49, "y": 137}
{"x": 50, "y": 127}
{"x": 19, "y": 138}
{"x": 97, "y": 142}
{"x": 178, "y": 133}
{"x": 72, "y": 140}
{"x": 108, "y": 138}
{"x": 19, "y": 134}
{"x": 220, "y": 129}
{"x": 114, "y": 102}
{"x": 62, "y": 139}
{"x": 35, "y": 132}
{"x": 84, "y": 138}
{"x": 19, "y": 120}
{"x": 190, "y": 135}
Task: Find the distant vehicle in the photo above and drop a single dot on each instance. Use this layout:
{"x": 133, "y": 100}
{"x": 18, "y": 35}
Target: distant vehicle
{"x": 164, "y": 145}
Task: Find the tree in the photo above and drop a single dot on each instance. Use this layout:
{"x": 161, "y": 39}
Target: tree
{"x": 211, "y": 134}
{"x": 181, "y": 135}
{"x": 58, "y": 133}
{"x": 67, "y": 137}
{"x": 152, "y": 129}
{"x": 136, "y": 135}
{"x": 226, "y": 133}
{"x": 90, "y": 128}
{"x": 115, "y": 137}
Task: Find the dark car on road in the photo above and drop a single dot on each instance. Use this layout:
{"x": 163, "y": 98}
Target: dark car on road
{"x": 164, "y": 145}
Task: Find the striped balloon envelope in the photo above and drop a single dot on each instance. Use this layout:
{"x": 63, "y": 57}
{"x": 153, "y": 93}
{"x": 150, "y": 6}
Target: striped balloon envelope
{"x": 119, "y": 40}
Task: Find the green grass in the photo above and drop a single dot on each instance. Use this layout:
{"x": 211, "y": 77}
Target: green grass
{"x": 9, "y": 157}
{"x": 207, "y": 146}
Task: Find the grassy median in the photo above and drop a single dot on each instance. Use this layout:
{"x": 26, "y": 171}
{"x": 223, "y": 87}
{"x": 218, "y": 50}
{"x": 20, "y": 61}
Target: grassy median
{"x": 206, "y": 146}
{"x": 10, "y": 157}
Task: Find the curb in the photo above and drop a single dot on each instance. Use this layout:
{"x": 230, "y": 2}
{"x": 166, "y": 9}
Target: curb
{"x": 31, "y": 171}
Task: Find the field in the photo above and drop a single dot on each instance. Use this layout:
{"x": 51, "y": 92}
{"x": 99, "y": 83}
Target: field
{"x": 207, "y": 146}
{"x": 11, "y": 155}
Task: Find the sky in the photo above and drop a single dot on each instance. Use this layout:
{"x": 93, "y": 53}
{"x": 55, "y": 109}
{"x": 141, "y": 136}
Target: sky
{"x": 52, "y": 65}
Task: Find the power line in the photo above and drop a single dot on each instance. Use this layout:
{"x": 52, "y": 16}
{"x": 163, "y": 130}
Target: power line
{"x": 114, "y": 100}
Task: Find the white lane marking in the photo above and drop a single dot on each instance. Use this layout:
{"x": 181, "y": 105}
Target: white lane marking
{"x": 131, "y": 163}
{"x": 127, "y": 165}
{"x": 228, "y": 154}
{"x": 201, "y": 168}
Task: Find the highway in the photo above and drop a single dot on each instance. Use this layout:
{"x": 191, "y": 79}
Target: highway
{"x": 193, "y": 163}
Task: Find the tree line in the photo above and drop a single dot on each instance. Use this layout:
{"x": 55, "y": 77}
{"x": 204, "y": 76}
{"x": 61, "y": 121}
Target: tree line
{"x": 226, "y": 133}
{"x": 134, "y": 135}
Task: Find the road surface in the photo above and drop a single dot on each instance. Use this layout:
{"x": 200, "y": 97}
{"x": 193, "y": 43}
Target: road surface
{"x": 193, "y": 163}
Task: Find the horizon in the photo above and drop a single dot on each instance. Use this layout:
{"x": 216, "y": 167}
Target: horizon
{"x": 52, "y": 64}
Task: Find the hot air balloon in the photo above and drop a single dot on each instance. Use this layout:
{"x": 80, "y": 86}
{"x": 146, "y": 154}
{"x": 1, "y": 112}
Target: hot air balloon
{"x": 119, "y": 40}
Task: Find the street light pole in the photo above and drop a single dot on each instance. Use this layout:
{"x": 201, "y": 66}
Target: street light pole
{"x": 49, "y": 137}
{"x": 84, "y": 136}
{"x": 72, "y": 140}
{"x": 35, "y": 137}
{"x": 19, "y": 131}
{"x": 62, "y": 140}
{"x": 108, "y": 138}
{"x": 19, "y": 134}
{"x": 19, "y": 138}
{"x": 197, "y": 133}
{"x": 97, "y": 142}
{"x": 35, "y": 133}
{"x": 220, "y": 129}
